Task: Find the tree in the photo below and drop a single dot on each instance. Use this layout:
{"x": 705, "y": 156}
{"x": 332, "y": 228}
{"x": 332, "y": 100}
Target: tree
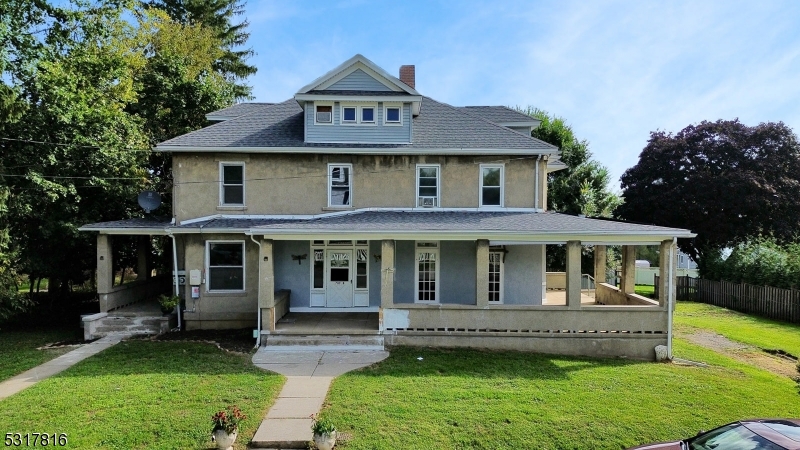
{"x": 218, "y": 15}
{"x": 723, "y": 180}
{"x": 581, "y": 188}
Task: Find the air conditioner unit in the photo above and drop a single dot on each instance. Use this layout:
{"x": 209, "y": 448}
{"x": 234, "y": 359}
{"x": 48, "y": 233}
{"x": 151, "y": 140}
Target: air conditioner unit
{"x": 323, "y": 117}
{"x": 428, "y": 202}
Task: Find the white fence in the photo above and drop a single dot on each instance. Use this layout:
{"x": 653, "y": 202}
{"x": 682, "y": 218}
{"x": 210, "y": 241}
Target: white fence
{"x": 646, "y": 275}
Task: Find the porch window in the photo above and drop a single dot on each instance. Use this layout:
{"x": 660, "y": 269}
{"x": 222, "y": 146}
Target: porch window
{"x": 427, "y": 272}
{"x": 428, "y": 186}
{"x": 495, "y": 277}
{"x": 361, "y": 268}
{"x": 491, "y": 185}
{"x": 319, "y": 268}
{"x": 225, "y": 265}
{"x": 231, "y": 192}
{"x": 339, "y": 185}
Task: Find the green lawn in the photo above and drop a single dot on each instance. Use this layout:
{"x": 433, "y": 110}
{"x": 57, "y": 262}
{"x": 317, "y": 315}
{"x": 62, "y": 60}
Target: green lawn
{"x": 646, "y": 290}
{"x": 143, "y": 394}
{"x": 18, "y": 348}
{"x": 752, "y": 330}
{"x": 496, "y": 400}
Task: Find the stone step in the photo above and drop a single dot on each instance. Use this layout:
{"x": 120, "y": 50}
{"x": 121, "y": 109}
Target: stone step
{"x": 327, "y": 342}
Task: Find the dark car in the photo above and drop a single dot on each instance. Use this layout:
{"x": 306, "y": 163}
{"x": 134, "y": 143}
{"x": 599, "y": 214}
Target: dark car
{"x": 753, "y": 434}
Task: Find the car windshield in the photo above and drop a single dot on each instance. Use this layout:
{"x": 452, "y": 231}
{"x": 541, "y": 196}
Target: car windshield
{"x": 732, "y": 437}
{"x": 786, "y": 428}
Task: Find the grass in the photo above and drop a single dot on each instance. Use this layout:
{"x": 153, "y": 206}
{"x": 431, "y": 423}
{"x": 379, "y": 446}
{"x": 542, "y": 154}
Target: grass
{"x": 465, "y": 399}
{"x": 144, "y": 394}
{"x": 752, "y": 330}
{"x": 18, "y": 348}
{"x": 647, "y": 291}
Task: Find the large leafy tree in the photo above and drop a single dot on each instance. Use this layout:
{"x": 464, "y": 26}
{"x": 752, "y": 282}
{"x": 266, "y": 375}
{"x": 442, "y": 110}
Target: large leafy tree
{"x": 724, "y": 180}
{"x": 582, "y": 188}
{"x": 219, "y": 16}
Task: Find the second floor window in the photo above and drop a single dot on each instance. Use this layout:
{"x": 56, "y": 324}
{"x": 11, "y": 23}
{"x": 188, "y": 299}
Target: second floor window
{"x": 428, "y": 186}
{"x": 491, "y": 185}
{"x": 232, "y": 184}
{"x": 323, "y": 114}
{"x": 340, "y": 185}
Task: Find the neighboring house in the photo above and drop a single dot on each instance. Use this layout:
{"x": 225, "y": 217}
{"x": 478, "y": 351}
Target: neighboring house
{"x": 685, "y": 261}
{"x": 360, "y": 194}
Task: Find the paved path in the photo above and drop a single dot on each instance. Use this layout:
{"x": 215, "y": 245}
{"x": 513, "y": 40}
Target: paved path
{"x": 309, "y": 374}
{"x": 54, "y": 366}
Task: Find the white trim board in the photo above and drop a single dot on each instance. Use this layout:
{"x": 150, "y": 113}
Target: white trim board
{"x": 322, "y": 309}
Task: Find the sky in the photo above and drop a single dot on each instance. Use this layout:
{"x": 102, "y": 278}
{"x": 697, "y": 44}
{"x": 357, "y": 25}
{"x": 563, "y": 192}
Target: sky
{"x": 614, "y": 70}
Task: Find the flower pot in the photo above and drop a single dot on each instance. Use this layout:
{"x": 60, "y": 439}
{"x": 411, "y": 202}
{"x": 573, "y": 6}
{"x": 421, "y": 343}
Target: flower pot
{"x": 223, "y": 439}
{"x": 325, "y": 441}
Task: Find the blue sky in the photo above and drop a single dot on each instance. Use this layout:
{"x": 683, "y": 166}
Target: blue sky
{"x": 615, "y": 70}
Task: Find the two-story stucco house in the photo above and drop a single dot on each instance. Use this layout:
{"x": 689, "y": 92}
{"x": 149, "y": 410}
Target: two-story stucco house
{"x": 360, "y": 194}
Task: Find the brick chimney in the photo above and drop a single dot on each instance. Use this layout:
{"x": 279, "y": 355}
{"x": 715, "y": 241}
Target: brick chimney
{"x": 407, "y": 75}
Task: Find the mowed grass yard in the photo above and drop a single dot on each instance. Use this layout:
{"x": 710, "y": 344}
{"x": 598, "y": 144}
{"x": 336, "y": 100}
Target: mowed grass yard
{"x": 144, "y": 395}
{"x": 18, "y": 349}
{"x": 491, "y": 400}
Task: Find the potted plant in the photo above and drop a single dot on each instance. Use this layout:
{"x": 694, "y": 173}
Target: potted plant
{"x": 324, "y": 433}
{"x": 168, "y": 303}
{"x": 226, "y": 426}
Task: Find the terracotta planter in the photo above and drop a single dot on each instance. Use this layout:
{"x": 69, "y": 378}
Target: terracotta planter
{"x": 325, "y": 441}
{"x": 223, "y": 439}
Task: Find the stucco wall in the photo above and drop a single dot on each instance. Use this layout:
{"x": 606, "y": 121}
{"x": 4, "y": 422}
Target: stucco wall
{"x": 291, "y": 275}
{"x": 297, "y": 184}
{"x": 523, "y": 275}
{"x": 457, "y": 272}
{"x": 220, "y": 310}
{"x": 404, "y": 284}
{"x": 374, "y": 273}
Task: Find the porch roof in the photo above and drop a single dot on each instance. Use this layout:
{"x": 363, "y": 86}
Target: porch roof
{"x": 524, "y": 226}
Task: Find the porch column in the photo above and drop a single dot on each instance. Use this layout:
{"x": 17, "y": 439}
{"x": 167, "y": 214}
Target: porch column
{"x": 142, "y": 250}
{"x": 266, "y": 286}
{"x": 600, "y": 258}
{"x": 628, "y": 277}
{"x": 105, "y": 269}
{"x": 387, "y": 273}
{"x": 574, "y": 274}
{"x": 664, "y": 263}
{"x": 482, "y": 278}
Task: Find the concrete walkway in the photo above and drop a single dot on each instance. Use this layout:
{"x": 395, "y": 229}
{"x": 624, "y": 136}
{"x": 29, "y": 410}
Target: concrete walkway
{"x": 54, "y": 366}
{"x": 309, "y": 373}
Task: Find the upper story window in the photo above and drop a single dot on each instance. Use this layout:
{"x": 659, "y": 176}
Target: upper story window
{"x": 428, "y": 186}
{"x": 392, "y": 115}
{"x": 231, "y": 191}
{"x": 367, "y": 114}
{"x": 323, "y": 114}
{"x": 349, "y": 114}
{"x": 491, "y": 185}
{"x": 340, "y": 186}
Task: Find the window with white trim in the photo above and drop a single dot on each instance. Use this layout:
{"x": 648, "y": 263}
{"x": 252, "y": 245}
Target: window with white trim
{"x": 367, "y": 114}
{"x": 427, "y": 272}
{"x": 349, "y": 114}
{"x": 392, "y": 115}
{"x": 225, "y": 266}
{"x": 491, "y": 185}
{"x": 340, "y": 186}
{"x": 362, "y": 257}
{"x": 496, "y": 277}
{"x": 231, "y": 190}
{"x": 428, "y": 186}
{"x": 323, "y": 114}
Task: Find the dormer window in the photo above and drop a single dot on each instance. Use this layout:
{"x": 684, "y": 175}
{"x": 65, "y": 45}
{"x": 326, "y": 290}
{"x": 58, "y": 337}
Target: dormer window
{"x": 367, "y": 114}
{"x": 348, "y": 114}
{"x": 391, "y": 115}
{"x": 323, "y": 114}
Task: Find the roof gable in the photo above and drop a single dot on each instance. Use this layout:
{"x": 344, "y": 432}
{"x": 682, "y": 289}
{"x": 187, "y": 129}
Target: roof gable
{"x": 358, "y": 63}
{"x": 358, "y": 80}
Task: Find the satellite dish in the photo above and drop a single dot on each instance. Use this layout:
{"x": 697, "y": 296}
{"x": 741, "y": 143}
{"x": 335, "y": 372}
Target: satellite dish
{"x": 149, "y": 200}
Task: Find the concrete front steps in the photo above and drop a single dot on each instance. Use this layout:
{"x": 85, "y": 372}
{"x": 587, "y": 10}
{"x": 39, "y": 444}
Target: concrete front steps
{"x": 322, "y": 342}
{"x": 104, "y": 324}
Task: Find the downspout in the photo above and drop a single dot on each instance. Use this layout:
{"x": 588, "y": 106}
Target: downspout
{"x": 536, "y": 185}
{"x": 258, "y": 325}
{"x": 175, "y": 273}
{"x": 670, "y": 298}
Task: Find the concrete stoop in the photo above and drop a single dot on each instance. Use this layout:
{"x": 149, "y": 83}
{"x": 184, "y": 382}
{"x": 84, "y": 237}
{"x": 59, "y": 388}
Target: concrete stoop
{"x": 104, "y": 324}
{"x": 355, "y": 342}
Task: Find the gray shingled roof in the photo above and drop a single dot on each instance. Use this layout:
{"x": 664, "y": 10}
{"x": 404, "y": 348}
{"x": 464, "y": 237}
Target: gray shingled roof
{"x": 499, "y": 114}
{"x": 437, "y": 126}
{"x": 414, "y": 221}
{"x": 236, "y": 110}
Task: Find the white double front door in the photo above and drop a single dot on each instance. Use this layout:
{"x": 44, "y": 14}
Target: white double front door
{"x": 339, "y": 292}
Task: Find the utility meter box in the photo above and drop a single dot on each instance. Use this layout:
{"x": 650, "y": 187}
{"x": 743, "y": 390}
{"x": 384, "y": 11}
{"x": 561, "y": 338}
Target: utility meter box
{"x": 194, "y": 277}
